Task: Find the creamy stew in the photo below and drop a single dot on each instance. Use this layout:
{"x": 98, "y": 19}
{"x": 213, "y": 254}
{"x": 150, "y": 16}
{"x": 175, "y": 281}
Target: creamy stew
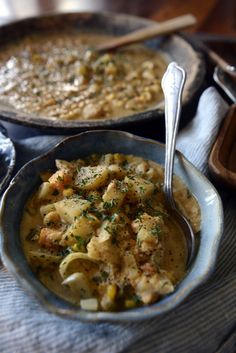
{"x": 59, "y": 76}
{"x": 98, "y": 234}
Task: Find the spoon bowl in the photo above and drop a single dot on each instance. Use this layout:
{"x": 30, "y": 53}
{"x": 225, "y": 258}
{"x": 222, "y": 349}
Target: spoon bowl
{"x": 172, "y": 85}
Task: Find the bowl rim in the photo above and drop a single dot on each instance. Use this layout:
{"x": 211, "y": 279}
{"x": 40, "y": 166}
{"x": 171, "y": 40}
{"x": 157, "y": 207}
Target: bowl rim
{"x": 7, "y": 177}
{"x": 32, "y": 120}
{"x": 146, "y": 312}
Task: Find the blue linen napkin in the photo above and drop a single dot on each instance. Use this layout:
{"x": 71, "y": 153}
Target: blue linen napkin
{"x": 204, "y": 323}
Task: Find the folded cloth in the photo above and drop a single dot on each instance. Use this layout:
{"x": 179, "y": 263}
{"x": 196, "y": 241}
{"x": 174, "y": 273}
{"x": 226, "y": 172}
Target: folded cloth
{"x": 204, "y": 323}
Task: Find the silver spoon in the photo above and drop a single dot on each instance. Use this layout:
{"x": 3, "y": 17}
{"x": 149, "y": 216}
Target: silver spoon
{"x": 172, "y": 85}
{"x": 226, "y": 83}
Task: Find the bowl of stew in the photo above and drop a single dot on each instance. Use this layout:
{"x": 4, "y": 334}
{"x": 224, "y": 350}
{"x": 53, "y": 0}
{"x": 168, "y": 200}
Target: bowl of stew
{"x": 52, "y": 78}
{"x": 90, "y": 235}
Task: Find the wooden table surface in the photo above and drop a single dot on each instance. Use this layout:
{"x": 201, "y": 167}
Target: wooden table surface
{"x": 214, "y": 16}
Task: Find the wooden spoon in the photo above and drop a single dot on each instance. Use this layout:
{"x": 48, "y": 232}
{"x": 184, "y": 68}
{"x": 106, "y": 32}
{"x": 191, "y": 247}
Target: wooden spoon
{"x": 166, "y": 27}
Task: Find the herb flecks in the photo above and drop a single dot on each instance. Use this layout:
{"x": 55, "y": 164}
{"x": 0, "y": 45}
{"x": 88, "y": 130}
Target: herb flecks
{"x": 32, "y": 235}
{"x": 156, "y": 231}
{"x": 107, "y": 205}
{"x": 80, "y": 243}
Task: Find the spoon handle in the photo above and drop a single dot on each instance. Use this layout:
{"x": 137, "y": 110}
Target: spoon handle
{"x": 172, "y": 85}
{"x": 224, "y": 65}
{"x": 165, "y": 27}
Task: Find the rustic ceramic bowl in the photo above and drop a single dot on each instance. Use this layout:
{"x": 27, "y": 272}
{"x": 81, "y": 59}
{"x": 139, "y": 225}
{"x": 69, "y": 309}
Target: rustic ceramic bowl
{"x": 7, "y": 158}
{"x": 102, "y": 142}
{"x": 175, "y": 48}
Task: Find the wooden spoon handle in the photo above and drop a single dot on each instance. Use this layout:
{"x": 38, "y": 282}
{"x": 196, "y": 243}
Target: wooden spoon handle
{"x": 169, "y": 26}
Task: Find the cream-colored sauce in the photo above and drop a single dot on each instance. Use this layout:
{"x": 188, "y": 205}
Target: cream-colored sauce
{"x": 59, "y": 76}
{"x": 124, "y": 229}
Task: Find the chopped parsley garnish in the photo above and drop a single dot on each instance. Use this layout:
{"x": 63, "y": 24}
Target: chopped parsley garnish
{"x": 156, "y": 231}
{"x": 189, "y": 195}
{"x": 32, "y": 235}
{"x": 81, "y": 242}
{"x": 104, "y": 275}
{"x": 142, "y": 189}
{"x": 102, "y": 278}
{"x": 131, "y": 177}
{"x": 122, "y": 186}
{"x": 93, "y": 198}
{"x": 136, "y": 299}
{"x": 112, "y": 231}
{"x": 97, "y": 213}
{"x": 107, "y": 205}
{"x": 87, "y": 215}
{"x": 64, "y": 252}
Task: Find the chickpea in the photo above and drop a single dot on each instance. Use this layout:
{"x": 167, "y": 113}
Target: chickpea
{"x": 148, "y": 65}
{"x": 81, "y": 104}
{"x": 82, "y": 70}
{"x": 146, "y": 97}
{"x": 72, "y": 114}
{"x": 94, "y": 88}
{"x": 110, "y": 97}
{"x": 130, "y": 104}
{"x": 155, "y": 88}
{"x": 148, "y": 74}
{"x": 111, "y": 69}
{"x": 117, "y": 103}
{"x": 89, "y": 55}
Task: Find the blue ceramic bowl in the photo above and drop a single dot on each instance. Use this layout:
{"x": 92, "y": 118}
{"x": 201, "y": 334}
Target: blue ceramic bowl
{"x": 102, "y": 142}
{"x": 7, "y": 159}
